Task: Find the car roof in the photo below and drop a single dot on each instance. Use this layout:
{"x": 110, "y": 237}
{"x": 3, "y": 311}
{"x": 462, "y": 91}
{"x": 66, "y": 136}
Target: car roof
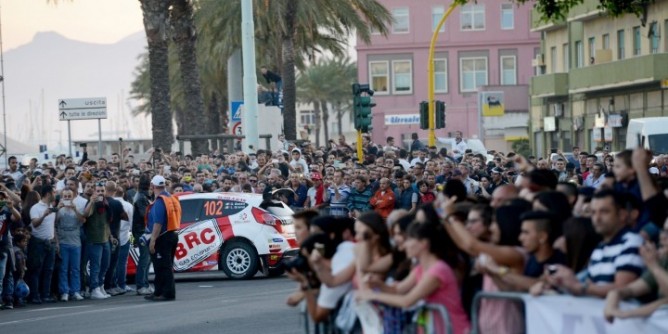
{"x": 254, "y": 199}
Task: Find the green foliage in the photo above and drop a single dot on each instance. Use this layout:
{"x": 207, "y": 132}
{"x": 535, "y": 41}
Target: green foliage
{"x": 552, "y": 10}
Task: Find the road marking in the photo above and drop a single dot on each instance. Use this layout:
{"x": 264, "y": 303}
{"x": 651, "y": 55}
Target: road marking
{"x": 206, "y": 286}
{"x": 56, "y": 308}
{"x": 74, "y": 313}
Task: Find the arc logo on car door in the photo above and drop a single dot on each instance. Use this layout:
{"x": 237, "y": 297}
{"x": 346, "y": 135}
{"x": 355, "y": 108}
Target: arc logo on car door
{"x": 196, "y": 243}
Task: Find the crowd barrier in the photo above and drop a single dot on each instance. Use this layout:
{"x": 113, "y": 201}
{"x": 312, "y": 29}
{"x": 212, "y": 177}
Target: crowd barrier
{"x": 562, "y": 314}
{"x": 426, "y": 319}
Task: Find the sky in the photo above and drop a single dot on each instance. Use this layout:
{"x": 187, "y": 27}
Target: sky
{"x": 101, "y": 21}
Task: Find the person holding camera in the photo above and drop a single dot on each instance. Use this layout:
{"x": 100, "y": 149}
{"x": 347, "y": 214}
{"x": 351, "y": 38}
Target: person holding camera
{"x": 98, "y": 239}
{"x": 68, "y": 227}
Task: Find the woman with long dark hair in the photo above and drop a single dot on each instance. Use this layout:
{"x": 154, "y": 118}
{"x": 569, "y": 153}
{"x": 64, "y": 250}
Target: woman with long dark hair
{"x": 432, "y": 279}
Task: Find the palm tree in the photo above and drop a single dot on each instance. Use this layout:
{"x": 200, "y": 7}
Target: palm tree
{"x": 292, "y": 31}
{"x": 325, "y": 83}
{"x": 156, "y": 13}
{"x": 184, "y": 35}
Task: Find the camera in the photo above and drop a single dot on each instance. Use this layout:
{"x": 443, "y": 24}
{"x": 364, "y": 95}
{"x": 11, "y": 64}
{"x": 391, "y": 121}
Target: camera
{"x": 299, "y": 263}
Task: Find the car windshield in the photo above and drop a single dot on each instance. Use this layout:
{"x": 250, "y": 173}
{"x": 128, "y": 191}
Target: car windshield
{"x": 658, "y": 143}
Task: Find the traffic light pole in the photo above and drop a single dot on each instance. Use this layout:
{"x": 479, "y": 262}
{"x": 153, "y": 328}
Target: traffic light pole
{"x": 360, "y": 149}
{"x": 432, "y": 47}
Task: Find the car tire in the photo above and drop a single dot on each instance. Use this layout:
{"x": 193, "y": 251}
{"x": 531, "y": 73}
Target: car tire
{"x": 275, "y": 272}
{"x": 239, "y": 260}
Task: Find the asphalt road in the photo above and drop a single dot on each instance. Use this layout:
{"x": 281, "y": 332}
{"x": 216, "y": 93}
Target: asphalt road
{"x": 204, "y": 304}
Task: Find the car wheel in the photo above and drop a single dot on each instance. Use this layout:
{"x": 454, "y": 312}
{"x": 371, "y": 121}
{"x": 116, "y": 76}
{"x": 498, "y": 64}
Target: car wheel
{"x": 276, "y": 272}
{"x": 239, "y": 260}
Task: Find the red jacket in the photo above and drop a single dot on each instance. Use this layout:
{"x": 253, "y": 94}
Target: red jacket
{"x": 383, "y": 203}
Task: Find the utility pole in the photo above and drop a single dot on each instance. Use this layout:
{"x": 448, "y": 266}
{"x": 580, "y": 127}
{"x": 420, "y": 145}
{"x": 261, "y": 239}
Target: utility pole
{"x": 432, "y": 47}
{"x": 249, "y": 117}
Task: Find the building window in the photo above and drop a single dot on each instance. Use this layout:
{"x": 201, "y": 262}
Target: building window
{"x": 472, "y": 17}
{"x": 606, "y": 42}
{"x": 473, "y": 73}
{"x": 636, "y": 41}
{"x": 441, "y": 75}
{"x": 402, "y": 77}
{"x": 507, "y": 16}
{"x": 621, "y": 54}
{"x": 307, "y": 117}
{"x": 508, "y": 70}
{"x": 379, "y": 76}
{"x": 592, "y": 50}
{"x": 401, "y": 21}
{"x": 654, "y": 37}
{"x": 579, "y": 54}
{"x": 553, "y": 59}
{"x": 566, "y": 57}
{"x": 436, "y": 16}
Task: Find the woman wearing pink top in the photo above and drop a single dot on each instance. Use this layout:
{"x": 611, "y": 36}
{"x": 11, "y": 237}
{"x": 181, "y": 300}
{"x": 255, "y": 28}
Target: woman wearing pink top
{"x": 432, "y": 279}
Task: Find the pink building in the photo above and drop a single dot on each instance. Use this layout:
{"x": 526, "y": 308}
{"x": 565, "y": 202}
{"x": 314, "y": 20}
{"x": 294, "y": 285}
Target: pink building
{"x": 483, "y": 44}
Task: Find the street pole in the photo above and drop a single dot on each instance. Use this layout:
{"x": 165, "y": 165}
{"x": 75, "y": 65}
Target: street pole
{"x": 99, "y": 138}
{"x": 432, "y": 47}
{"x": 4, "y": 108}
{"x": 69, "y": 137}
{"x": 234, "y": 82}
{"x": 360, "y": 149}
{"x": 249, "y": 116}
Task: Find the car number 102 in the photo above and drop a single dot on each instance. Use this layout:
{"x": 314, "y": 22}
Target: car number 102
{"x": 213, "y": 208}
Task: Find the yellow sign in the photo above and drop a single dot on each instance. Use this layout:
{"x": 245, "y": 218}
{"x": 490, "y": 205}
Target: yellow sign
{"x": 492, "y": 104}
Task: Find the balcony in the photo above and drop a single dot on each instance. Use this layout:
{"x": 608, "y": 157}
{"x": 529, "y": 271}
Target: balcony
{"x": 547, "y": 85}
{"x": 621, "y": 73}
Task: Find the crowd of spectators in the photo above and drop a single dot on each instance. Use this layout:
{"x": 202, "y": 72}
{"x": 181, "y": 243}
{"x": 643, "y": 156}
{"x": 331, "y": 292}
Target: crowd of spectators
{"x": 402, "y": 225}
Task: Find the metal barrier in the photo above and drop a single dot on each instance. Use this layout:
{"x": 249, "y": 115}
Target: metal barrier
{"x": 490, "y": 295}
{"x": 422, "y": 311}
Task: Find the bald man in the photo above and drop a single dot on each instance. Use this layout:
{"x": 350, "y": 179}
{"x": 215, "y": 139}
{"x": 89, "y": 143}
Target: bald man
{"x": 503, "y": 194}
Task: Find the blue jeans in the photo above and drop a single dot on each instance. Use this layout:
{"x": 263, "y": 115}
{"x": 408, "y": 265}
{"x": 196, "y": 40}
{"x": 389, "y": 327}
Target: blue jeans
{"x": 98, "y": 255}
{"x": 141, "y": 277}
{"x": 69, "y": 273}
{"x": 122, "y": 266}
{"x": 110, "y": 277}
{"x": 40, "y": 262}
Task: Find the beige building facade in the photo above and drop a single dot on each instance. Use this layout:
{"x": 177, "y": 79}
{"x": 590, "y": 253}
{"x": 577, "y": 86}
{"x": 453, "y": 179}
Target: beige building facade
{"x": 594, "y": 73}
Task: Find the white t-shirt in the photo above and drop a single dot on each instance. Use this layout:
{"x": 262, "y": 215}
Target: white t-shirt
{"x": 60, "y": 185}
{"x": 300, "y": 162}
{"x": 330, "y": 296}
{"x": 124, "y": 236}
{"x": 80, "y": 203}
{"x": 45, "y": 230}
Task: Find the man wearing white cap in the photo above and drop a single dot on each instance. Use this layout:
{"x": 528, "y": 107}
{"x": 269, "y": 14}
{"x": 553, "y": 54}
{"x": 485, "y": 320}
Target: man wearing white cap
{"x": 163, "y": 222}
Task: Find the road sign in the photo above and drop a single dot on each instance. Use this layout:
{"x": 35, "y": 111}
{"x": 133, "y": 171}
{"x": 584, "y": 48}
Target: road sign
{"x": 86, "y": 108}
{"x": 236, "y": 108}
{"x": 236, "y": 129}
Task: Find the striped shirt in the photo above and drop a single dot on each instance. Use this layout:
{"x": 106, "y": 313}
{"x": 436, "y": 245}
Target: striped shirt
{"x": 338, "y": 207}
{"x": 620, "y": 254}
{"x": 359, "y": 200}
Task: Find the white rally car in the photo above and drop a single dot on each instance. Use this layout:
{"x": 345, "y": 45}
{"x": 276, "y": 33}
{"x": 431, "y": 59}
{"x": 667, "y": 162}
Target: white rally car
{"x": 238, "y": 233}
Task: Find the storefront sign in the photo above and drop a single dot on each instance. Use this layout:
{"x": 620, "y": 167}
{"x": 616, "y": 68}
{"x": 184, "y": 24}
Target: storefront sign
{"x": 402, "y": 119}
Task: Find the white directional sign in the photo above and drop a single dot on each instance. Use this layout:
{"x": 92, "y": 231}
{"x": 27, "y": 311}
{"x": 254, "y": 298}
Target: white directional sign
{"x": 86, "y": 108}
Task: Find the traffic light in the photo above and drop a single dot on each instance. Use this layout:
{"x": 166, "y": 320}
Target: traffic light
{"x": 362, "y": 105}
{"x": 440, "y": 114}
{"x": 424, "y": 115}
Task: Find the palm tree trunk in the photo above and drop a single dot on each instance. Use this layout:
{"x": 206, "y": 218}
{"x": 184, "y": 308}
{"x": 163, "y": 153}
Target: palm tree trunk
{"x": 339, "y": 117}
{"x": 288, "y": 73}
{"x": 316, "y": 109}
{"x": 325, "y": 120}
{"x": 155, "y": 14}
{"x": 185, "y": 36}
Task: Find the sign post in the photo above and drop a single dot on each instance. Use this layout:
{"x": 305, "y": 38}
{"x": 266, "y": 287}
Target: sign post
{"x": 82, "y": 109}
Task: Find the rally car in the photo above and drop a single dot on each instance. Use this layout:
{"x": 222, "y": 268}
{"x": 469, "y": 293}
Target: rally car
{"x": 238, "y": 233}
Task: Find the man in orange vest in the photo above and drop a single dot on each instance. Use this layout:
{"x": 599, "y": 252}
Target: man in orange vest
{"x": 163, "y": 222}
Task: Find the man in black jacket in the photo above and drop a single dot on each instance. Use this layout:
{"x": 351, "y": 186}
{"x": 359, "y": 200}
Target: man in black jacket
{"x": 141, "y": 202}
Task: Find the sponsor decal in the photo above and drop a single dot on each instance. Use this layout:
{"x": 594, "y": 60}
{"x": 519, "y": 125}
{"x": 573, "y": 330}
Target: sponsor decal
{"x": 196, "y": 243}
{"x": 277, "y": 240}
{"x": 274, "y": 246}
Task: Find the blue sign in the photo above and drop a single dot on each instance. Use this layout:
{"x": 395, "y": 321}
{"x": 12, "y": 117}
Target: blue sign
{"x": 235, "y": 111}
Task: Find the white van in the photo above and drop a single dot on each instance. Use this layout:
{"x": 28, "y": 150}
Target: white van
{"x": 650, "y": 133}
